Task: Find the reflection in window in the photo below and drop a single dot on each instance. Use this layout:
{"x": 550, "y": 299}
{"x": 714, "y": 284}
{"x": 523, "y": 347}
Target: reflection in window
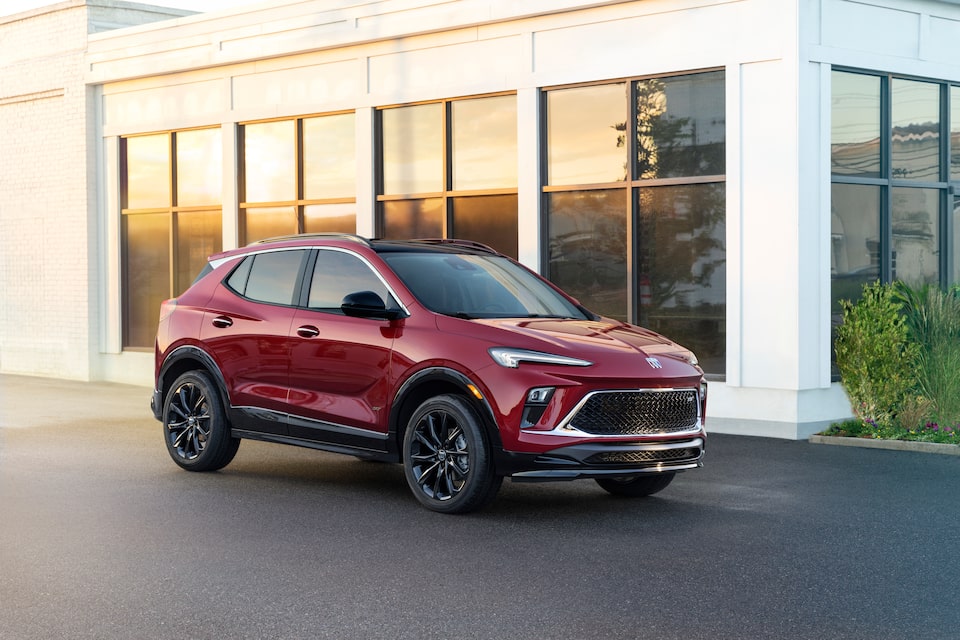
{"x": 855, "y": 124}
{"x": 269, "y": 161}
{"x": 413, "y": 219}
{"x": 915, "y": 148}
{"x": 588, "y": 248}
{"x": 199, "y": 167}
{"x": 146, "y": 275}
{"x": 336, "y": 275}
{"x": 165, "y": 241}
{"x": 681, "y": 126}
{"x": 199, "y": 236}
{"x": 682, "y": 267}
{"x": 329, "y": 157}
{"x": 484, "y": 145}
{"x": 261, "y": 223}
{"x": 147, "y": 161}
{"x": 413, "y": 149}
{"x": 491, "y": 220}
{"x": 915, "y": 222}
{"x": 273, "y": 276}
{"x": 955, "y": 133}
{"x": 476, "y": 139}
{"x": 329, "y": 218}
{"x": 854, "y": 241}
{"x": 586, "y": 135}
{"x": 955, "y": 201}
{"x": 321, "y": 149}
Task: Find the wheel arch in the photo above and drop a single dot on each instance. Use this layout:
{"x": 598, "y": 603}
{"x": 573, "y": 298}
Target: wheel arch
{"x": 432, "y": 382}
{"x": 190, "y": 358}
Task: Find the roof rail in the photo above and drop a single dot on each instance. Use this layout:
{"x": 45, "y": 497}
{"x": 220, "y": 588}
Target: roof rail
{"x": 456, "y": 241}
{"x": 307, "y": 236}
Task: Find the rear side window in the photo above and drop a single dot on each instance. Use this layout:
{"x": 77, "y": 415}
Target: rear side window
{"x": 268, "y": 277}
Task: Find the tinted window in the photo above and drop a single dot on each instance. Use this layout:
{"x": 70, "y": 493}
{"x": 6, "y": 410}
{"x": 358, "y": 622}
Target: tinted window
{"x": 268, "y": 277}
{"x": 336, "y": 275}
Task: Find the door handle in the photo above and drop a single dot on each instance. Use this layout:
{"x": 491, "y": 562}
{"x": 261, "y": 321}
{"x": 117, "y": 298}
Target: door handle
{"x": 222, "y": 322}
{"x": 308, "y": 331}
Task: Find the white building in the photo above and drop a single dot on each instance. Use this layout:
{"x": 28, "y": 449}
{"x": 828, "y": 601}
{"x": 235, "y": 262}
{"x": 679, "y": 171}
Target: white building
{"x": 718, "y": 170}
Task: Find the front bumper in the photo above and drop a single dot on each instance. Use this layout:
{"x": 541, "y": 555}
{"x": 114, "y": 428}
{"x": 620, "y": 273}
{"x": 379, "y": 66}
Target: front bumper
{"x": 599, "y": 460}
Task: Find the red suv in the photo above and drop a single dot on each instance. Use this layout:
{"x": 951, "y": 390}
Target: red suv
{"x": 443, "y": 355}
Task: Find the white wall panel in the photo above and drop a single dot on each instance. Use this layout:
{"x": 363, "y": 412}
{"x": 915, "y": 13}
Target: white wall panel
{"x": 865, "y": 27}
{"x": 150, "y": 109}
{"x": 301, "y": 88}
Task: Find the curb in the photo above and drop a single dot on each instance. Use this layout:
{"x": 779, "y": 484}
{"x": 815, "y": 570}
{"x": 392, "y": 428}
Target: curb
{"x": 890, "y": 445}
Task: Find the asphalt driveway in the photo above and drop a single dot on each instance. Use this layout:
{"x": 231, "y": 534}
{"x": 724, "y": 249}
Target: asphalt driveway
{"x": 102, "y": 536}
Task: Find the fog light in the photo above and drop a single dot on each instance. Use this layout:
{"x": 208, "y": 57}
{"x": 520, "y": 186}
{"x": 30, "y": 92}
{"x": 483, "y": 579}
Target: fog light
{"x": 540, "y": 395}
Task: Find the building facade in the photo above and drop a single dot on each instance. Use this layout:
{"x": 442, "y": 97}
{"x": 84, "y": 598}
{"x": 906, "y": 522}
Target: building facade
{"x": 720, "y": 171}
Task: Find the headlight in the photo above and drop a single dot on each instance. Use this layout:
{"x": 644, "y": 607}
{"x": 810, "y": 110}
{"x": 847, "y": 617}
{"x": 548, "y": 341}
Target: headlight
{"x": 511, "y": 358}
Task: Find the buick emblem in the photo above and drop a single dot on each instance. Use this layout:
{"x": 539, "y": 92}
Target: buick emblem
{"x": 653, "y": 362}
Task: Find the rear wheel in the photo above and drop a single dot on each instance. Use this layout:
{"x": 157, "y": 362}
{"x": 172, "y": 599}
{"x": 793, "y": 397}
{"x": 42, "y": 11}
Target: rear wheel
{"x": 195, "y": 427}
{"x": 446, "y": 458}
{"x": 637, "y": 486}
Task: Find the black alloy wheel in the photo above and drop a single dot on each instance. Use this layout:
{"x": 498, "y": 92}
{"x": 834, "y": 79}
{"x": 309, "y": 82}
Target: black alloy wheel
{"x": 195, "y": 427}
{"x": 637, "y": 486}
{"x": 447, "y": 459}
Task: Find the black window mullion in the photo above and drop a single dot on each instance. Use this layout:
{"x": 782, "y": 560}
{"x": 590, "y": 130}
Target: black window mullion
{"x": 632, "y": 204}
{"x": 886, "y": 196}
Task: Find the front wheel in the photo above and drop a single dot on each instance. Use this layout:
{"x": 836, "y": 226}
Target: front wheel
{"x": 195, "y": 427}
{"x": 637, "y": 486}
{"x": 446, "y": 458}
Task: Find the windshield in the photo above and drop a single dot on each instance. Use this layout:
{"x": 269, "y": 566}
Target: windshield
{"x": 478, "y": 286}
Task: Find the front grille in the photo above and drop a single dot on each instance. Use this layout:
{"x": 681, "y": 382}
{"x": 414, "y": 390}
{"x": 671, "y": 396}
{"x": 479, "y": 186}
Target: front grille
{"x": 644, "y": 457}
{"x": 644, "y": 412}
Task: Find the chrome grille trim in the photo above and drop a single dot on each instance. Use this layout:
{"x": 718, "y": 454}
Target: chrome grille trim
{"x": 688, "y": 424}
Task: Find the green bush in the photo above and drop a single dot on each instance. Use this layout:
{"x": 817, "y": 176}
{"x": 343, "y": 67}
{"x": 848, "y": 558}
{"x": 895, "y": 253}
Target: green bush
{"x": 876, "y": 358}
{"x": 933, "y": 322}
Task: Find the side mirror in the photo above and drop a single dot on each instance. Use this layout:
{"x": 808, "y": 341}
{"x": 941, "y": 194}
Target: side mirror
{"x": 367, "y": 304}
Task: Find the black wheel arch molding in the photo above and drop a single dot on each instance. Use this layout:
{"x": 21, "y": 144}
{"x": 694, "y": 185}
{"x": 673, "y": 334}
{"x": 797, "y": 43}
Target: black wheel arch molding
{"x": 185, "y": 358}
{"x": 433, "y": 381}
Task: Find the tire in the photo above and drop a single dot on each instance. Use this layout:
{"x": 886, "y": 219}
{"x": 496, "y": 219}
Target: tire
{"x": 637, "y": 486}
{"x": 195, "y": 427}
{"x": 446, "y": 457}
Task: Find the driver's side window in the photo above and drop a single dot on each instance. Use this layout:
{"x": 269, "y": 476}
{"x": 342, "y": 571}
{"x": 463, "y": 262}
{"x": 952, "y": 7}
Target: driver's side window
{"x": 338, "y": 274}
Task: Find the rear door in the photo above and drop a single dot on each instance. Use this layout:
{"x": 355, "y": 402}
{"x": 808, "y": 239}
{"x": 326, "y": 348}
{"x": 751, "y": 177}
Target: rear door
{"x": 247, "y": 330}
{"x": 340, "y": 366}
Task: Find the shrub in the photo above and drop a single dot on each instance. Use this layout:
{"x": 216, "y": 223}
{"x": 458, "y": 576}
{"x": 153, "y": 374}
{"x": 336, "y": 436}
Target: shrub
{"x": 876, "y": 359}
{"x": 933, "y": 321}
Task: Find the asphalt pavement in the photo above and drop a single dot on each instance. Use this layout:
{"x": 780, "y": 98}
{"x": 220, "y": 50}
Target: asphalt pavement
{"x": 102, "y": 536}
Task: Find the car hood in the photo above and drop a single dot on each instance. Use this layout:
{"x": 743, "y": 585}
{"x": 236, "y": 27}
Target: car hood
{"x": 603, "y": 340}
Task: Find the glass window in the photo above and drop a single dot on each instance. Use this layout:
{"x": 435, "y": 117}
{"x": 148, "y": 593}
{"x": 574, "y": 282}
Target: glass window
{"x": 955, "y": 133}
{"x": 199, "y": 236}
{"x": 199, "y": 167}
{"x": 260, "y": 223}
{"x": 330, "y": 218}
{"x": 329, "y": 157}
{"x": 682, "y": 274}
{"x": 336, "y": 275}
{"x": 147, "y": 184}
{"x": 588, "y": 248}
{"x": 914, "y": 224}
{"x": 955, "y": 202}
{"x": 477, "y": 139}
{"x": 854, "y": 241}
{"x": 915, "y": 148}
{"x": 484, "y": 146}
{"x": 146, "y": 275}
{"x": 270, "y": 162}
{"x": 413, "y": 218}
{"x": 586, "y": 135}
{"x": 413, "y": 149}
{"x": 855, "y": 124}
{"x": 491, "y": 220}
{"x": 681, "y": 126}
{"x": 273, "y": 276}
